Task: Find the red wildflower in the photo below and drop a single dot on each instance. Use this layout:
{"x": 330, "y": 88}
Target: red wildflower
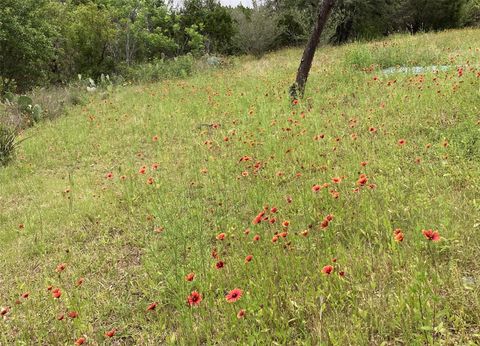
{"x": 363, "y": 163}
{"x": 21, "y": 226}
{"x": 342, "y": 274}
{"x": 219, "y": 264}
{"x": 431, "y": 235}
{"x": 56, "y": 293}
{"x": 155, "y": 138}
{"x": 247, "y": 231}
{"x": 401, "y": 142}
{"x": 328, "y": 269}
{"x": 194, "y": 298}
{"x": 258, "y": 218}
{"x": 25, "y": 295}
{"x": 272, "y": 220}
{"x": 286, "y": 223}
{"x": 152, "y": 306}
{"x": 142, "y": 170}
{"x": 60, "y": 267}
{"x": 304, "y": 233}
{"x": 155, "y": 166}
{"x": 234, "y": 295}
{"x": 398, "y": 235}
{"x": 241, "y": 313}
{"x": 80, "y": 341}
{"x": 316, "y": 188}
{"x": 150, "y": 181}
{"x": 335, "y": 194}
{"x": 256, "y": 237}
{"x": 248, "y": 258}
{"x": 324, "y": 223}
{"x": 110, "y": 333}
{"x": 221, "y": 236}
{"x": 337, "y": 180}
{"x": 109, "y": 175}
{"x": 283, "y": 234}
{"x": 4, "y": 311}
{"x": 214, "y": 253}
{"x": 79, "y": 282}
{"x": 273, "y": 210}
{"x": 295, "y": 102}
{"x": 190, "y": 276}
{"x": 289, "y": 199}
{"x": 362, "y": 180}
{"x": 72, "y": 314}
{"x": 329, "y": 217}
{"x": 274, "y": 238}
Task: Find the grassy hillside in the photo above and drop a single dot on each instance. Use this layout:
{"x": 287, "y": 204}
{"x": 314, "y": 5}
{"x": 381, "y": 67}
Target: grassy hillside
{"x": 115, "y": 203}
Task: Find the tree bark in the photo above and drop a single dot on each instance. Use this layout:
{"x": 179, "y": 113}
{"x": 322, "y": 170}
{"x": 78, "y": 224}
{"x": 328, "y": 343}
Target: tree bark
{"x": 298, "y": 88}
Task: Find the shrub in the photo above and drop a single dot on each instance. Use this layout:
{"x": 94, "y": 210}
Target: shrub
{"x": 257, "y": 31}
{"x": 470, "y": 15}
{"x": 26, "y": 43}
{"x": 160, "y": 69}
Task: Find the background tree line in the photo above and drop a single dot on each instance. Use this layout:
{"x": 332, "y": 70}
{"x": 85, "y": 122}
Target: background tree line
{"x": 52, "y": 41}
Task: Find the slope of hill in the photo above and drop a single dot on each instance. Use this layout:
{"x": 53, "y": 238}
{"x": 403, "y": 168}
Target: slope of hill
{"x": 352, "y": 217}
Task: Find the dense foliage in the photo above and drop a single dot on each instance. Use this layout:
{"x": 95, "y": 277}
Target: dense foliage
{"x": 44, "y": 41}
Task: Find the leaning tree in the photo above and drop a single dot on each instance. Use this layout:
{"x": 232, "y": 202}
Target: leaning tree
{"x": 298, "y": 88}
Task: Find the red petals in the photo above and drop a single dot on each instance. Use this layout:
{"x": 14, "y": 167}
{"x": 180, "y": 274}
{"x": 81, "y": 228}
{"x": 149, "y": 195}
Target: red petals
{"x": 194, "y": 298}
{"x": 248, "y": 258}
{"x": 152, "y": 306}
{"x": 80, "y": 341}
{"x": 72, "y": 314}
{"x": 234, "y": 295}
{"x": 219, "y": 264}
{"x": 328, "y": 269}
{"x": 110, "y": 333}
{"x": 4, "y": 311}
{"x": 258, "y": 218}
{"x": 190, "y": 277}
{"x": 56, "y": 293}
{"x": 362, "y": 180}
{"x": 431, "y": 235}
{"x": 61, "y": 267}
{"x": 398, "y": 235}
{"x": 241, "y": 313}
{"x": 221, "y": 236}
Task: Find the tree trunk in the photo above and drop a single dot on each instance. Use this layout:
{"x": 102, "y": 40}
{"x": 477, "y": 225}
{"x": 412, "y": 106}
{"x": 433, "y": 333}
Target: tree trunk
{"x": 298, "y": 88}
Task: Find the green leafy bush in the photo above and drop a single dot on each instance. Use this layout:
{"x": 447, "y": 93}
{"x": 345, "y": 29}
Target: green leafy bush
{"x": 471, "y": 13}
{"x": 160, "y": 69}
{"x": 257, "y": 31}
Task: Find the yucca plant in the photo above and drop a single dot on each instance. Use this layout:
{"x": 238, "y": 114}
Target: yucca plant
{"x": 8, "y": 144}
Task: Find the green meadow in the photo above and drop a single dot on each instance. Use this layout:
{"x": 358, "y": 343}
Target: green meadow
{"x": 359, "y": 206}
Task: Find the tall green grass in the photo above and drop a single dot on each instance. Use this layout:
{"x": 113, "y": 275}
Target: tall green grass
{"x": 133, "y": 191}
